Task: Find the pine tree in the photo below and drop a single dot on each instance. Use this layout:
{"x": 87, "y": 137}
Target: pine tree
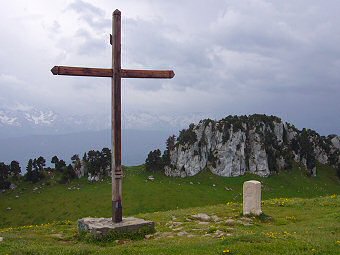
{"x": 41, "y": 162}
{"x": 170, "y": 145}
{"x": 76, "y": 162}
{"x": 55, "y": 161}
{"x": 30, "y": 175}
{"x": 15, "y": 169}
{"x": 105, "y": 159}
{"x": 4, "y": 172}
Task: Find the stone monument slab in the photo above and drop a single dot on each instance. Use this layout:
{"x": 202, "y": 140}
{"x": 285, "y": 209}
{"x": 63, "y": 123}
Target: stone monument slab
{"x": 252, "y": 198}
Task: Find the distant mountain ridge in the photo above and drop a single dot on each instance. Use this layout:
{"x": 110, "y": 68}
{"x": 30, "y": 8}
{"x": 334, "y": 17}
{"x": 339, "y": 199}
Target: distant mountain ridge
{"x": 14, "y": 123}
{"x": 31, "y": 121}
{"x": 27, "y": 132}
{"x": 256, "y": 143}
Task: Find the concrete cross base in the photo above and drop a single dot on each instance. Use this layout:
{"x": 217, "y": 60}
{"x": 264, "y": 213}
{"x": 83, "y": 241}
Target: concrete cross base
{"x": 129, "y": 228}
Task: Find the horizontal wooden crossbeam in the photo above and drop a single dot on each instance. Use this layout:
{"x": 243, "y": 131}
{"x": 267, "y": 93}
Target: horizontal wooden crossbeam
{"x": 162, "y": 74}
{"x": 81, "y": 71}
{"x": 105, "y": 72}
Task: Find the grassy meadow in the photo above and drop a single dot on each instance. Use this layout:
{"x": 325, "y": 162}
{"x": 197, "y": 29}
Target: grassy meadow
{"x": 48, "y": 201}
{"x": 291, "y": 226}
{"x": 301, "y": 215}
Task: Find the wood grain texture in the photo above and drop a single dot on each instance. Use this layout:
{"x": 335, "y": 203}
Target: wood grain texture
{"x": 116, "y": 117}
{"x": 155, "y": 74}
{"x": 81, "y": 71}
{"x": 106, "y": 72}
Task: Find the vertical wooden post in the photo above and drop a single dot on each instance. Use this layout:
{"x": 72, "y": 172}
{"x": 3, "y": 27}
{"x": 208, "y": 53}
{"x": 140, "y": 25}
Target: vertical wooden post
{"x": 116, "y": 164}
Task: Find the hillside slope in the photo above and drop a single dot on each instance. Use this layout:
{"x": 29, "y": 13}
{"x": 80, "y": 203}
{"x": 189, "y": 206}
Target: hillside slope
{"x": 48, "y": 201}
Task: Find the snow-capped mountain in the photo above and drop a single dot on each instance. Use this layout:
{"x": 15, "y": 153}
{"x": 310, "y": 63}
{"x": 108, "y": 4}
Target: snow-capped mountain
{"x": 41, "y": 118}
{"x": 6, "y": 120}
{"x": 20, "y": 118}
{"x": 15, "y": 123}
{"x": 31, "y": 121}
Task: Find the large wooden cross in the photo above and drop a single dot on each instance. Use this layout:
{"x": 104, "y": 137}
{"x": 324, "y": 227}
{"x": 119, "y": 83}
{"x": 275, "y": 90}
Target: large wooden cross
{"x": 116, "y": 73}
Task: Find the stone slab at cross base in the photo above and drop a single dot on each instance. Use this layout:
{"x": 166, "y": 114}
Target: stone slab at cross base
{"x": 252, "y": 198}
{"x": 130, "y": 226}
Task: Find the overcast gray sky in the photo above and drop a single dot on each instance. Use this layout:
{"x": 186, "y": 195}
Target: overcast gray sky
{"x": 230, "y": 57}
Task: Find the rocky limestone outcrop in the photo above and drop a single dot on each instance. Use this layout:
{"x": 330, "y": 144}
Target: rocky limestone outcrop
{"x": 258, "y": 144}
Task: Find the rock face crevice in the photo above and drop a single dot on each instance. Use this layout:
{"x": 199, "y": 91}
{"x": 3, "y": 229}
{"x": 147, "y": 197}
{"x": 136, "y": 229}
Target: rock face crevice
{"x": 258, "y": 144}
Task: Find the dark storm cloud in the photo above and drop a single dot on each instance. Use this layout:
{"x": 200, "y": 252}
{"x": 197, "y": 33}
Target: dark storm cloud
{"x": 298, "y": 42}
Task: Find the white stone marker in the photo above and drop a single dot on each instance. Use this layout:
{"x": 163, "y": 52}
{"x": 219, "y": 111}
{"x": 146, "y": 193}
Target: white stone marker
{"x": 252, "y": 198}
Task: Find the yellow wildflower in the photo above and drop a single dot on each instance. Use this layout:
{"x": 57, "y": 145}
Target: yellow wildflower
{"x": 226, "y": 251}
{"x": 292, "y": 218}
{"x": 271, "y": 235}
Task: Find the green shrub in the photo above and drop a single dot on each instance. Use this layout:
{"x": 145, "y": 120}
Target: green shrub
{"x": 154, "y": 161}
{"x": 187, "y": 136}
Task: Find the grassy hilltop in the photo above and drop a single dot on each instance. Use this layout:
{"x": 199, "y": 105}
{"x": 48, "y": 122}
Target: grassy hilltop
{"x": 304, "y": 215}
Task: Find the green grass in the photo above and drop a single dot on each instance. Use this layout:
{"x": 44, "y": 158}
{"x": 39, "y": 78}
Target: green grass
{"x": 56, "y": 202}
{"x": 295, "y": 226}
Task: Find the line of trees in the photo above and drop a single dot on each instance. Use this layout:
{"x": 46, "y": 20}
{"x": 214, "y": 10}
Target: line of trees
{"x": 94, "y": 163}
{"x": 36, "y": 171}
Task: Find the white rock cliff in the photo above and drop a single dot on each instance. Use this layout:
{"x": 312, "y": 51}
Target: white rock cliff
{"x": 257, "y": 144}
